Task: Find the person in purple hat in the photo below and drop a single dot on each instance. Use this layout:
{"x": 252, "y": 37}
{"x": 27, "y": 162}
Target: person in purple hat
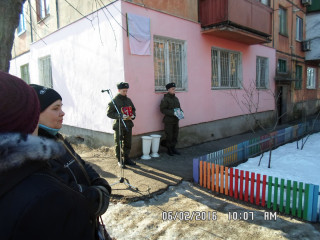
{"x": 34, "y": 203}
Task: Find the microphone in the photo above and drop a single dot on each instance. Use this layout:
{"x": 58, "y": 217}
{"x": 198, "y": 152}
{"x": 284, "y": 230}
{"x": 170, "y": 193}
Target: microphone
{"x": 105, "y": 90}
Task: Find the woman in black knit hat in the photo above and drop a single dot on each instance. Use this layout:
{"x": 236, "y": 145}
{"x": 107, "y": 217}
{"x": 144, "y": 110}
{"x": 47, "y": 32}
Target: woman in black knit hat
{"x": 70, "y": 167}
{"x": 34, "y": 204}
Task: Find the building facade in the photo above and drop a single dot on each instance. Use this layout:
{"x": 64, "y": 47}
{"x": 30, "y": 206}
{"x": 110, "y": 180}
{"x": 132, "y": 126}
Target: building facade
{"x": 222, "y": 63}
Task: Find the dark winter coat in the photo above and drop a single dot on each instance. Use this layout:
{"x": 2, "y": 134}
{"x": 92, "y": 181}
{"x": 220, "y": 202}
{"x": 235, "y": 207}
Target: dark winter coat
{"x": 120, "y": 101}
{"x": 167, "y": 106}
{"x": 78, "y": 174}
{"x": 34, "y": 203}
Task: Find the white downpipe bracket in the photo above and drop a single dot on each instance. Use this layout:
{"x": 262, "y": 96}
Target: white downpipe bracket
{"x": 146, "y": 145}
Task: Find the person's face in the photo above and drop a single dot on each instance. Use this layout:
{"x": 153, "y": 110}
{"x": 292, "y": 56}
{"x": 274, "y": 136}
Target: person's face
{"x": 172, "y": 90}
{"x": 52, "y": 116}
{"x": 123, "y": 92}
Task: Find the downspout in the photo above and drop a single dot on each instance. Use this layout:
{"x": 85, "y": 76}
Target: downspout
{"x": 57, "y": 10}
{"x": 273, "y": 25}
{"x": 31, "y": 32}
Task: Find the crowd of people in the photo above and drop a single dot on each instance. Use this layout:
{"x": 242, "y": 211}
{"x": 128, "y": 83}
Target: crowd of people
{"x": 47, "y": 191}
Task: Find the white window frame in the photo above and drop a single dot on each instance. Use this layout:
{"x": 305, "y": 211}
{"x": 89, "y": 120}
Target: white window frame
{"x": 221, "y": 69}
{"x": 43, "y": 9}
{"x": 299, "y": 29}
{"x": 45, "y": 71}
{"x": 24, "y": 72}
{"x": 262, "y": 72}
{"x": 311, "y": 78}
{"x": 22, "y": 23}
{"x": 283, "y": 27}
{"x": 167, "y": 66}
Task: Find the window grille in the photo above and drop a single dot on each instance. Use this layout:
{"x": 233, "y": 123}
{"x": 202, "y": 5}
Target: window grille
{"x": 24, "y": 70}
{"x": 311, "y": 78}
{"x": 226, "y": 71}
{"x": 262, "y": 69}
{"x": 169, "y": 63}
{"x": 45, "y": 72}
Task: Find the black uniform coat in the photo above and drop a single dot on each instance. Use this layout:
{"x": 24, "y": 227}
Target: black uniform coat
{"x": 167, "y": 106}
{"x": 34, "y": 203}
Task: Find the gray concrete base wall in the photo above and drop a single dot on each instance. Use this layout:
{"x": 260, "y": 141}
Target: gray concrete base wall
{"x": 188, "y": 136}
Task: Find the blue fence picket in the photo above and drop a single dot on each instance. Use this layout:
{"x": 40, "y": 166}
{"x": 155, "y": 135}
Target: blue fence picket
{"x": 315, "y": 203}
{"x": 196, "y": 170}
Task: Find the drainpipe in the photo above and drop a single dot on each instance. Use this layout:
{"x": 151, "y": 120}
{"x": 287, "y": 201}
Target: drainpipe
{"x": 30, "y": 21}
{"x": 273, "y": 25}
{"x": 57, "y": 10}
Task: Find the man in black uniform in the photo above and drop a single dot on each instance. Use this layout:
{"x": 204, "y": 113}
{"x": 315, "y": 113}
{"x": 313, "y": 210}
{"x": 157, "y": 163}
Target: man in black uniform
{"x": 128, "y": 113}
{"x": 170, "y": 107}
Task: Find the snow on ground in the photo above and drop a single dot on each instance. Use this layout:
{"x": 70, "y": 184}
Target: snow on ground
{"x": 144, "y": 219}
{"x": 290, "y": 163}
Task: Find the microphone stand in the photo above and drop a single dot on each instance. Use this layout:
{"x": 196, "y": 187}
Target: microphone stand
{"x": 120, "y": 119}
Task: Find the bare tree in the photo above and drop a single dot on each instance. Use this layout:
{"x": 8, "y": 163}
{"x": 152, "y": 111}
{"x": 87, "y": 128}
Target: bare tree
{"x": 9, "y": 20}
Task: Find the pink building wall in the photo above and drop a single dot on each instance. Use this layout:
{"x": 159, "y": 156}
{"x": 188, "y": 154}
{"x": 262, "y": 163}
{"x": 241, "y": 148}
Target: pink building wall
{"x": 199, "y": 102}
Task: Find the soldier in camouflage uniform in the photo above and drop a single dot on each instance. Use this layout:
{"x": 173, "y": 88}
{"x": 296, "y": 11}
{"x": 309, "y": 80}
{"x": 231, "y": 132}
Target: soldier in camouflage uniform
{"x": 171, "y": 122}
{"x": 128, "y": 113}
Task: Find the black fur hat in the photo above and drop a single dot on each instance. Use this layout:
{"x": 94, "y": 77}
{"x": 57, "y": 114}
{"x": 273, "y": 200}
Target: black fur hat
{"x": 170, "y": 85}
{"x": 123, "y": 85}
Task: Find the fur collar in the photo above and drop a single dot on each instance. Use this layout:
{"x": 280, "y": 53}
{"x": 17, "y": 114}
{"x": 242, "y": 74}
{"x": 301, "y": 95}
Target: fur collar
{"x": 17, "y": 149}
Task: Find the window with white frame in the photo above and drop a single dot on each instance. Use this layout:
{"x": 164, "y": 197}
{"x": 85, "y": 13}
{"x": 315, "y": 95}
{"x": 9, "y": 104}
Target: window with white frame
{"x": 43, "y": 9}
{"x": 265, "y": 2}
{"x": 22, "y": 23}
{"x": 311, "y": 78}
{"x": 45, "y": 72}
{"x": 299, "y": 29}
{"x": 283, "y": 21}
{"x": 24, "y": 70}
{"x": 169, "y": 63}
{"x": 226, "y": 68}
{"x": 262, "y": 70}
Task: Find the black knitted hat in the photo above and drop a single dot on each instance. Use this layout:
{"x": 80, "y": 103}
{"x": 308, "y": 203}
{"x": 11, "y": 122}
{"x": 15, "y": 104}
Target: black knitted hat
{"x": 46, "y": 96}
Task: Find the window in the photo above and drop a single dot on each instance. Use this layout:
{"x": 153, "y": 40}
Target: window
{"x": 169, "y": 63}
{"x": 282, "y": 66}
{"x": 262, "y": 69}
{"x": 298, "y": 83}
{"x": 42, "y": 9}
{"x": 226, "y": 68}
{"x": 45, "y": 73}
{"x": 311, "y": 78}
{"x": 265, "y": 2}
{"x": 299, "y": 29}
{"x": 24, "y": 70}
{"x": 22, "y": 24}
{"x": 282, "y": 21}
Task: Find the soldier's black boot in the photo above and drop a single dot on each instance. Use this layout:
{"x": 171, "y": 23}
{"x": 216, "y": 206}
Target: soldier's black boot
{"x": 175, "y": 151}
{"x": 128, "y": 161}
{"x": 170, "y": 153}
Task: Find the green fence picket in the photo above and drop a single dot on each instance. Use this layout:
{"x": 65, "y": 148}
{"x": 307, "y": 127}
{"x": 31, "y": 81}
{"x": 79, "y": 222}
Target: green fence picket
{"x": 275, "y": 195}
{"x": 300, "y": 200}
{"x": 269, "y": 192}
{"x": 281, "y": 195}
{"x": 288, "y": 196}
{"x": 294, "y": 200}
{"x": 306, "y": 202}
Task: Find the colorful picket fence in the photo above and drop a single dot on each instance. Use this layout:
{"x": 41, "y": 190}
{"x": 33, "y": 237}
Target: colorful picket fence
{"x": 238, "y": 153}
{"x": 285, "y": 196}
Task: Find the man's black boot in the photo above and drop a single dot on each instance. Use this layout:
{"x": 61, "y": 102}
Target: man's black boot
{"x": 175, "y": 151}
{"x": 128, "y": 161}
{"x": 170, "y": 153}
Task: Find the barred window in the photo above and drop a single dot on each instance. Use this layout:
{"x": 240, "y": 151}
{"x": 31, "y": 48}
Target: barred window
{"x": 262, "y": 70}
{"x": 298, "y": 82}
{"x": 226, "y": 68}
{"x": 45, "y": 72}
{"x": 24, "y": 70}
{"x": 311, "y": 78}
{"x": 169, "y": 63}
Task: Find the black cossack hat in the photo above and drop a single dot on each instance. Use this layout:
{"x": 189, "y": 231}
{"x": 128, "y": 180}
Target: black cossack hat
{"x": 170, "y": 85}
{"x": 46, "y": 96}
{"x": 123, "y": 85}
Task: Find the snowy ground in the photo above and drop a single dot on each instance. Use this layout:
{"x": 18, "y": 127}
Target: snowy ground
{"x": 191, "y": 206}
